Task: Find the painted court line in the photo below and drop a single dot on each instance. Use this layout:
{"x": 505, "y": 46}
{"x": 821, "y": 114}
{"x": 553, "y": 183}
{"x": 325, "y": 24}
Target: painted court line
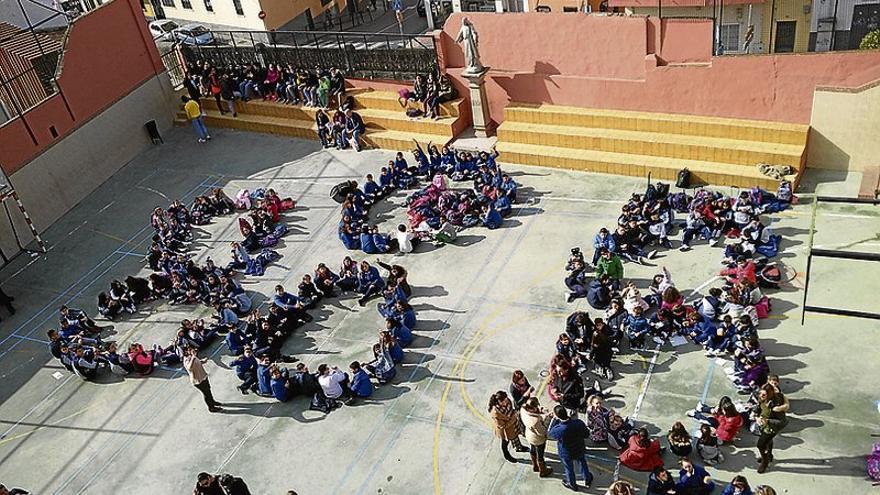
{"x": 640, "y": 400}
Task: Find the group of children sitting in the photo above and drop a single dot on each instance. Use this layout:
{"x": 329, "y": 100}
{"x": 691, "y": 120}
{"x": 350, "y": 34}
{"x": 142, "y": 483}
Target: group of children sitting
{"x": 724, "y": 321}
{"x": 257, "y": 347}
{"x": 436, "y": 211}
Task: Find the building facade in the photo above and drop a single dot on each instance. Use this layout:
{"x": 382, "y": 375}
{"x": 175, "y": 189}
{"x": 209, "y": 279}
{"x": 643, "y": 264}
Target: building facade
{"x": 257, "y": 15}
{"x": 841, "y": 24}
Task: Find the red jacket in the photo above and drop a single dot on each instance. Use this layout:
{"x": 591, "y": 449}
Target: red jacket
{"x": 727, "y": 427}
{"x": 738, "y": 274}
{"x": 640, "y": 458}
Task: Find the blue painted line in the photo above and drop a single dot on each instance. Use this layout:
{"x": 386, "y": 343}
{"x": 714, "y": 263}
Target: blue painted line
{"x": 32, "y": 339}
{"x": 94, "y": 279}
{"x": 396, "y": 434}
{"x": 519, "y": 474}
{"x": 87, "y": 464}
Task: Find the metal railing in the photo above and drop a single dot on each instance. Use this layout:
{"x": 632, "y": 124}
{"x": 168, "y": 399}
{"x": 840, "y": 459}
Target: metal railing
{"x": 365, "y": 55}
{"x": 173, "y": 62}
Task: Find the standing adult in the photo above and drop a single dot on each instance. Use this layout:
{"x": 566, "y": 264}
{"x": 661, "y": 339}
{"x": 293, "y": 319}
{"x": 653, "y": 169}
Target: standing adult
{"x": 536, "y": 420}
{"x": 194, "y": 114}
{"x": 570, "y": 435}
{"x": 199, "y": 377}
{"x": 6, "y": 300}
{"x": 770, "y": 417}
{"x": 506, "y": 424}
{"x": 397, "y": 5}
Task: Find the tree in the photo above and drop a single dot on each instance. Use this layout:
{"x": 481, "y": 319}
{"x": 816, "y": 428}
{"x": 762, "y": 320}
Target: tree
{"x": 871, "y": 41}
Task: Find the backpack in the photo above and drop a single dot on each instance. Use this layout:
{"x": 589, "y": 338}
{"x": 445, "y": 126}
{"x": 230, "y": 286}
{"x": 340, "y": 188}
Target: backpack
{"x": 873, "y": 463}
{"x": 680, "y": 202}
{"x": 662, "y": 190}
{"x": 784, "y": 192}
{"x": 340, "y": 191}
{"x": 650, "y": 193}
{"x": 769, "y": 277}
{"x": 683, "y": 179}
{"x": 413, "y": 112}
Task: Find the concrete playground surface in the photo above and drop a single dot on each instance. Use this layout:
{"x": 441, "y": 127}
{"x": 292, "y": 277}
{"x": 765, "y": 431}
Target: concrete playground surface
{"x": 490, "y": 304}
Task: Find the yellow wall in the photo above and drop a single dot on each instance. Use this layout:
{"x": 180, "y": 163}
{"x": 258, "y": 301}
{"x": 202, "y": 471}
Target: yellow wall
{"x": 787, "y": 10}
{"x": 280, "y": 12}
{"x": 843, "y": 129}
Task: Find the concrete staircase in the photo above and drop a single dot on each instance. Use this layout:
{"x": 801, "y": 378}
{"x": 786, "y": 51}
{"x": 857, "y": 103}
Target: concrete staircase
{"x": 388, "y": 127}
{"x": 717, "y": 151}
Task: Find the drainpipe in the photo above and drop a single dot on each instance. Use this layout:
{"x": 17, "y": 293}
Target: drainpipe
{"x": 771, "y": 49}
{"x": 834, "y": 25}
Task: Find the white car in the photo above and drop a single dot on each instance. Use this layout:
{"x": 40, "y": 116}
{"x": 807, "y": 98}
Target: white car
{"x": 163, "y": 29}
{"x": 194, "y": 34}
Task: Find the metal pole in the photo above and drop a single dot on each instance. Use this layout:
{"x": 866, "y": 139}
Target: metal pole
{"x": 660, "y": 11}
{"x": 714, "y": 29}
{"x": 720, "y": 20}
{"x": 771, "y": 49}
{"x": 834, "y": 25}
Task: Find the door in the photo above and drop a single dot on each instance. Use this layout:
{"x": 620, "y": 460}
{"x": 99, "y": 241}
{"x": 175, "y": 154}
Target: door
{"x": 785, "y": 31}
{"x": 866, "y": 18}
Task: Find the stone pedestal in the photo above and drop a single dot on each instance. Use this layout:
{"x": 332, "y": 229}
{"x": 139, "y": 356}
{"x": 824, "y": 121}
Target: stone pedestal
{"x": 479, "y": 105}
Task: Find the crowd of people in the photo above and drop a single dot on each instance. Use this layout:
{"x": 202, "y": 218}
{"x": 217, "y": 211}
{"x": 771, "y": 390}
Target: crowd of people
{"x": 723, "y": 321}
{"x": 179, "y": 280}
{"x": 436, "y": 212}
{"x": 426, "y": 95}
{"x": 258, "y": 362}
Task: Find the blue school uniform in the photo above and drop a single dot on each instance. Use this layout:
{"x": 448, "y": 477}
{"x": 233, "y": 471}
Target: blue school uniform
{"x": 502, "y": 204}
{"x": 396, "y": 353}
{"x": 244, "y": 364}
{"x": 368, "y": 278}
{"x": 361, "y": 384}
{"x": 235, "y": 342}
{"x": 694, "y": 483}
{"x": 386, "y": 180}
{"x": 264, "y": 379}
{"x": 381, "y": 243}
{"x": 509, "y": 189}
{"x": 367, "y": 244}
{"x": 406, "y": 318}
{"x": 372, "y": 189}
{"x": 403, "y": 334}
{"x": 279, "y": 388}
{"x": 493, "y": 219}
{"x": 636, "y": 326}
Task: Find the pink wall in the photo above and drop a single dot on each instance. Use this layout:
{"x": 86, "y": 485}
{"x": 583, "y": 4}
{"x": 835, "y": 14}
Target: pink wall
{"x": 671, "y": 70}
{"x": 109, "y": 53}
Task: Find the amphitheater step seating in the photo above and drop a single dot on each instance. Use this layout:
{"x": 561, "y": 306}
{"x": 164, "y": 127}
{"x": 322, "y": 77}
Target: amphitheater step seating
{"x": 717, "y": 151}
{"x": 388, "y": 127}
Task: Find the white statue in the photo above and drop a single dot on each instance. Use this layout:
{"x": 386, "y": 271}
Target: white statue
{"x": 470, "y": 43}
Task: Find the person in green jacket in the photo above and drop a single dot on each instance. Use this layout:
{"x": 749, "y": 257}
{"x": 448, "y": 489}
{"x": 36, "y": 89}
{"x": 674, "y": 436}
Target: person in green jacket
{"x": 324, "y": 90}
{"x": 610, "y": 264}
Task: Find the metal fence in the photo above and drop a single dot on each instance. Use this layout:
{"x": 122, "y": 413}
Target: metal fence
{"x": 173, "y": 61}
{"x": 364, "y": 55}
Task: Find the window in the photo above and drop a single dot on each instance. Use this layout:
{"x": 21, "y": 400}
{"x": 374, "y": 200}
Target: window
{"x": 208, "y": 6}
{"x": 186, "y": 4}
{"x": 238, "y": 9}
{"x": 569, "y": 9}
{"x": 168, "y": 3}
{"x": 729, "y": 37}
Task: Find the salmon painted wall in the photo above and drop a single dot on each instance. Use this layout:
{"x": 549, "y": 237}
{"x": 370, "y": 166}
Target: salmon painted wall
{"x": 109, "y": 53}
{"x": 635, "y": 63}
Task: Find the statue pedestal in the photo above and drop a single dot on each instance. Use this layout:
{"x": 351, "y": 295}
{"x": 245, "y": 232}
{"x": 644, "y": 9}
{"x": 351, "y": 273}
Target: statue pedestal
{"x": 479, "y": 105}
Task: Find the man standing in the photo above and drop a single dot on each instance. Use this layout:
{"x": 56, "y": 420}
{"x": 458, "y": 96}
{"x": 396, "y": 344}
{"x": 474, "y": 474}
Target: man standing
{"x": 199, "y": 378}
{"x": 570, "y": 435}
{"x": 194, "y": 114}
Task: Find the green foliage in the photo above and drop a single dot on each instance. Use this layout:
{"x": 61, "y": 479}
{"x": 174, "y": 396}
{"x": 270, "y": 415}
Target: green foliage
{"x": 871, "y": 41}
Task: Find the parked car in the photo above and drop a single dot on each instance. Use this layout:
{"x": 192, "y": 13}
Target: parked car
{"x": 163, "y": 29}
{"x": 194, "y": 34}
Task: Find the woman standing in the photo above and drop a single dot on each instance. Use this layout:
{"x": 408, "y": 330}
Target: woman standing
{"x": 520, "y": 389}
{"x": 506, "y": 423}
{"x": 536, "y": 421}
{"x": 771, "y": 419}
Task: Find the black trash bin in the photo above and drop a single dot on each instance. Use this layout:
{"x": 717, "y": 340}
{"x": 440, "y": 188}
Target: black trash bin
{"x": 153, "y": 131}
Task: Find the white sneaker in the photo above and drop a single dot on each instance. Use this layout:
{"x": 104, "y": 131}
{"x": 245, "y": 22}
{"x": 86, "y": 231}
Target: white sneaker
{"x": 652, "y": 254}
{"x": 658, "y": 341}
{"x": 684, "y": 247}
{"x": 208, "y": 138}
{"x": 201, "y": 140}
{"x": 691, "y": 414}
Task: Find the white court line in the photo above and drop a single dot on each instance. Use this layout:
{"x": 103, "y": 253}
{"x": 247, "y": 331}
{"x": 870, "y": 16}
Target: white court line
{"x": 641, "y": 399}
{"x": 578, "y": 200}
